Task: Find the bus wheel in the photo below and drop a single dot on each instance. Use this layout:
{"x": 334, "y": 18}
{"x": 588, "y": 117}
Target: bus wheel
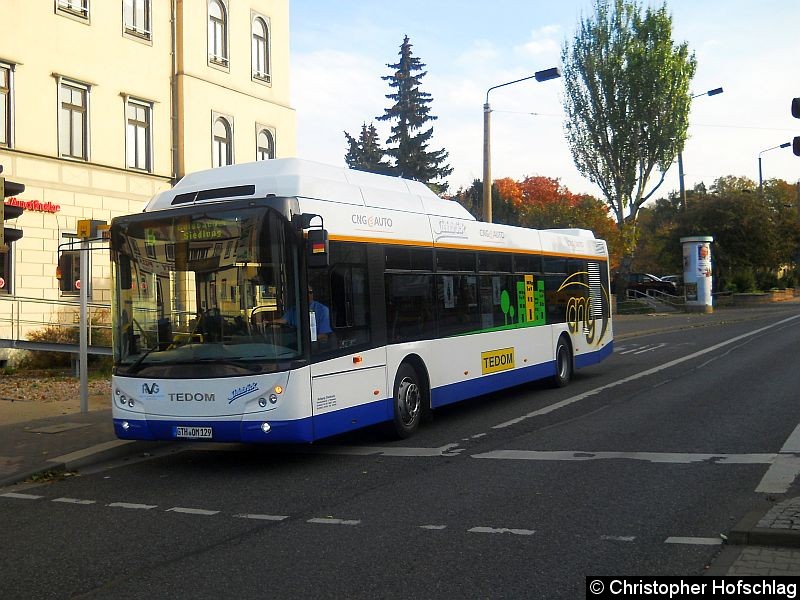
{"x": 408, "y": 399}
{"x": 563, "y": 363}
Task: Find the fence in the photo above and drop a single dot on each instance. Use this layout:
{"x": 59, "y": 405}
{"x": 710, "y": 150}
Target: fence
{"x": 19, "y": 316}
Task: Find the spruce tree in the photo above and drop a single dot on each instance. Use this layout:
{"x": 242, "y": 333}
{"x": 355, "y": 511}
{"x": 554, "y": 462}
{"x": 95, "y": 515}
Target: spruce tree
{"x": 366, "y": 153}
{"x": 410, "y": 112}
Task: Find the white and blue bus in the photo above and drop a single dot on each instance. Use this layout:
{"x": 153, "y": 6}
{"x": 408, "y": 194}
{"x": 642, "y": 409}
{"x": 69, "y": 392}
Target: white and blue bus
{"x": 287, "y": 301}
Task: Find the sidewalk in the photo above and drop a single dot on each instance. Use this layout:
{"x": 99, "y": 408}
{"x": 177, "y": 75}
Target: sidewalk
{"x": 765, "y": 542}
{"x": 34, "y": 441}
{"x": 59, "y": 443}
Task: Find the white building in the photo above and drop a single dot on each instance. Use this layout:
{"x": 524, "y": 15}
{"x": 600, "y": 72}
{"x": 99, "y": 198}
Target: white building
{"x": 117, "y": 100}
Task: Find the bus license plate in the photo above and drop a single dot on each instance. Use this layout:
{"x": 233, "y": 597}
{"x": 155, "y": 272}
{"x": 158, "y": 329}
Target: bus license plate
{"x": 193, "y": 432}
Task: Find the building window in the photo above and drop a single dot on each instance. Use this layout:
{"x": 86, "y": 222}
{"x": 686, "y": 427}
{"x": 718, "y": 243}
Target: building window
{"x": 73, "y": 8}
{"x": 136, "y": 17}
{"x": 265, "y": 144}
{"x": 73, "y": 116}
{"x": 217, "y": 33}
{"x": 138, "y": 147}
{"x": 261, "y": 50}
{"x": 6, "y": 105}
{"x": 222, "y": 141}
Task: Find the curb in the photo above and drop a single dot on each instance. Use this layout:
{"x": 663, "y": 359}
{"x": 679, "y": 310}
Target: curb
{"x": 748, "y": 533}
{"x": 99, "y": 453}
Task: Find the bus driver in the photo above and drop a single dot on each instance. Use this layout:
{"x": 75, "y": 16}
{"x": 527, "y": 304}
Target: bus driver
{"x": 321, "y": 317}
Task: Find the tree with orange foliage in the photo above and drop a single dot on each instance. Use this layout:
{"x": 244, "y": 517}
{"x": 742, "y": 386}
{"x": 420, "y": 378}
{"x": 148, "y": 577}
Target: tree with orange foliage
{"x": 543, "y": 203}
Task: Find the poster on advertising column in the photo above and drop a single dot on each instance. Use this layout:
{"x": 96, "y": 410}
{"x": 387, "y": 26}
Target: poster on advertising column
{"x": 697, "y": 273}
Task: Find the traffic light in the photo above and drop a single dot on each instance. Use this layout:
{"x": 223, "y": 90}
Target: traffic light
{"x": 796, "y": 115}
{"x": 8, "y": 212}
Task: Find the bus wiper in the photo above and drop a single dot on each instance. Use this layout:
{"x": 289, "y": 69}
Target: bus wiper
{"x": 134, "y": 367}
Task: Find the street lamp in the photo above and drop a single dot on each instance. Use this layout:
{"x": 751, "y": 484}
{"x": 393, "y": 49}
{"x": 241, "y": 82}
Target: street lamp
{"x": 713, "y": 92}
{"x": 760, "y": 178}
{"x": 546, "y": 75}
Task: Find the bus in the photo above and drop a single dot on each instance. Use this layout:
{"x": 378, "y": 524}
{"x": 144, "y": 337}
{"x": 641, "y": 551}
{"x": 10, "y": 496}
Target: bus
{"x": 286, "y": 301}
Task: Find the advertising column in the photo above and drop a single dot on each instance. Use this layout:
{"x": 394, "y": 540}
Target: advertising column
{"x": 697, "y": 273}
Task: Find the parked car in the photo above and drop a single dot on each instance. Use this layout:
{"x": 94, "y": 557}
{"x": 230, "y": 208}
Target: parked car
{"x": 676, "y": 279}
{"x": 648, "y": 284}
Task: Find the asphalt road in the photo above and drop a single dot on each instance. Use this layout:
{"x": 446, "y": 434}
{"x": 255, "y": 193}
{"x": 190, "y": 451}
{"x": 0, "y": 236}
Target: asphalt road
{"x": 635, "y": 468}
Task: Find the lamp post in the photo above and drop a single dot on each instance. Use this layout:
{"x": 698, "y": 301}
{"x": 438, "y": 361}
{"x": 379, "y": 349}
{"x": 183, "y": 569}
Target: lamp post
{"x": 546, "y": 75}
{"x": 760, "y": 177}
{"x": 713, "y": 92}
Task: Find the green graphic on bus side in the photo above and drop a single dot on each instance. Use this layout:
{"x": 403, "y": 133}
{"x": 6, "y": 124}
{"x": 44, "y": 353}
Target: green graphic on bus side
{"x": 530, "y": 302}
{"x": 528, "y": 309}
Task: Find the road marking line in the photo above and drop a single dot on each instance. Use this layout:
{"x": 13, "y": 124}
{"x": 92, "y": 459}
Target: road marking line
{"x": 192, "y": 511}
{"x": 785, "y": 469}
{"x": 694, "y": 541}
{"x": 781, "y": 475}
{"x": 20, "y": 496}
{"x": 262, "y": 517}
{"x": 73, "y": 501}
{"x": 650, "y": 349}
{"x": 645, "y": 373}
{"x": 433, "y": 527}
{"x": 626, "y": 350}
{"x": 330, "y": 521}
{"x": 446, "y": 450}
{"x": 653, "y": 457}
{"x": 133, "y": 506}
{"x": 618, "y": 538}
{"x": 792, "y": 443}
{"x": 501, "y": 530}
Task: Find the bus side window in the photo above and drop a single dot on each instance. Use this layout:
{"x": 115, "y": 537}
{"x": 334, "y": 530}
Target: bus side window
{"x": 344, "y": 289}
{"x": 350, "y": 305}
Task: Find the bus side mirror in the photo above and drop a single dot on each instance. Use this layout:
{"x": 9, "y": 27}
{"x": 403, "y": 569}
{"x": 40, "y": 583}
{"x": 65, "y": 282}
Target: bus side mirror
{"x": 317, "y": 254}
{"x": 125, "y": 278}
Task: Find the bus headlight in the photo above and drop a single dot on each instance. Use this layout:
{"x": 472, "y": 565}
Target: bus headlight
{"x": 262, "y": 402}
{"x": 273, "y": 399}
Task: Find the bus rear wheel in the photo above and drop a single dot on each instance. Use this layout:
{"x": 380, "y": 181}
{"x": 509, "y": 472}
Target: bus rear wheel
{"x": 563, "y": 363}
{"x": 408, "y": 401}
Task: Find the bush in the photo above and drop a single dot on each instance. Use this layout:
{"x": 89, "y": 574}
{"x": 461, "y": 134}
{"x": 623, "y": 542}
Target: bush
{"x": 790, "y": 278}
{"x": 67, "y": 334}
{"x": 766, "y": 280}
{"x": 743, "y": 281}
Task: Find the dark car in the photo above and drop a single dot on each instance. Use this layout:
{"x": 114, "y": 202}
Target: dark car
{"x": 649, "y": 284}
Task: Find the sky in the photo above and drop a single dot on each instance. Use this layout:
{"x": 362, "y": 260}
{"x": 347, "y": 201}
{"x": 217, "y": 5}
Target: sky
{"x": 340, "y": 49}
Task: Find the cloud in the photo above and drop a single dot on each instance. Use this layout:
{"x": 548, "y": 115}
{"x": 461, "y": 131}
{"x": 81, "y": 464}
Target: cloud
{"x": 481, "y": 53}
{"x": 334, "y": 91}
{"x": 544, "y": 41}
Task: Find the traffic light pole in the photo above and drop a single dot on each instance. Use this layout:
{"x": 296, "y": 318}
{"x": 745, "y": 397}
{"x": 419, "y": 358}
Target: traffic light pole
{"x": 84, "y": 329}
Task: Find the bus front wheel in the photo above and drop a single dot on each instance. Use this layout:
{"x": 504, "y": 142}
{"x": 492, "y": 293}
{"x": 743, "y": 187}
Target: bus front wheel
{"x": 563, "y": 363}
{"x": 408, "y": 400}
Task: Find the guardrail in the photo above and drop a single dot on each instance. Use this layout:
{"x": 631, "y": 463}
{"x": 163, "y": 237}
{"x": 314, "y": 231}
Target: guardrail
{"x": 657, "y": 299}
{"x": 21, "y": 315}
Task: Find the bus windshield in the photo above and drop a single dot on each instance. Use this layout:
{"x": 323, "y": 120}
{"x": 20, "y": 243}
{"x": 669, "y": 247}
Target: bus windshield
{"x": 204, "y": 288}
